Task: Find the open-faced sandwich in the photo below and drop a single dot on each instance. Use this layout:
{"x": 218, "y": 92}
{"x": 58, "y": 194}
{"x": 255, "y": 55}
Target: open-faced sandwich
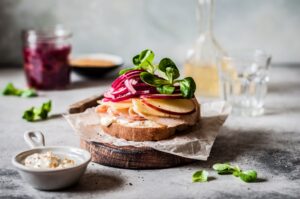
{"x": 149, "y": 102}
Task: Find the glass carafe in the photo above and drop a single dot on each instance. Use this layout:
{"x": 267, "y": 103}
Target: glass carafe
{"x": 201, "y": 62}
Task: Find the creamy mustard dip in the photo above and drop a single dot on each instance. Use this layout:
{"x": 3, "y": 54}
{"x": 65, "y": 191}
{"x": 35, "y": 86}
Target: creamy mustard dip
{"x": 47, "y": 161}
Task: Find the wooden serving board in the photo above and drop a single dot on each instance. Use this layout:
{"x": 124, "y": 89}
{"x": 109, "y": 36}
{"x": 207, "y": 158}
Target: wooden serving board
{"x": 127, "y": 157}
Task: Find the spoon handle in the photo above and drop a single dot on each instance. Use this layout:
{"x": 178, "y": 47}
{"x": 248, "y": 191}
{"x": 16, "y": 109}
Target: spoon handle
{"x": 34, "y": 139}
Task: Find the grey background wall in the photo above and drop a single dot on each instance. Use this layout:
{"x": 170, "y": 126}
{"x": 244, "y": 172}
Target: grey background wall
{"x": 168, "y": 27}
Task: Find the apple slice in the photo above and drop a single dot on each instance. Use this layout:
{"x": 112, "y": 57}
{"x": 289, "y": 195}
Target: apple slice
{"x": 162, "y": 96}
{"x": 171, "y": 106}
{"x": 119, "y": 105}
{"x": 142, "y": 108}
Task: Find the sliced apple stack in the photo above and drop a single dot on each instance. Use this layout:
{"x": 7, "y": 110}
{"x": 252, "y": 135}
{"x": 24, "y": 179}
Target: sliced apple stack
{"x": 171, "y": 106}
{"x": 119, "y": 105}
{"x": 142, "y": 108}
{"x": 164, "y": 107}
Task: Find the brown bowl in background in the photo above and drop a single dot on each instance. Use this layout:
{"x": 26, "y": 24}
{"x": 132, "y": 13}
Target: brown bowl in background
{"x": 95, "y": 65}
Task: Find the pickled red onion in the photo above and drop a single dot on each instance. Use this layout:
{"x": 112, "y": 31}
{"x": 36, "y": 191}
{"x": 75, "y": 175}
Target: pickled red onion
{"x": 130, "y": 85}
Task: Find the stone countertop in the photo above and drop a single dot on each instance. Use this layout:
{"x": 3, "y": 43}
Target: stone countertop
{"x": 269, "y": 144}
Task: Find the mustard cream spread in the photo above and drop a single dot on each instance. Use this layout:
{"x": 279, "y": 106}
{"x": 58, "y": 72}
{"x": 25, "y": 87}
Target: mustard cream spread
{"x": 47, "y": 161}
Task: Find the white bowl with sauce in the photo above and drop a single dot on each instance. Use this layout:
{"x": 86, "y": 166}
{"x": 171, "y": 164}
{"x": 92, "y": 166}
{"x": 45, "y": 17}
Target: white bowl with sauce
{"x": 51, "y": 178}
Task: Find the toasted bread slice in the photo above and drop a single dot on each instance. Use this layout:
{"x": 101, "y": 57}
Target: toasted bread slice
{"x": 139, "y": 133}
{"x": 153, "y": 128}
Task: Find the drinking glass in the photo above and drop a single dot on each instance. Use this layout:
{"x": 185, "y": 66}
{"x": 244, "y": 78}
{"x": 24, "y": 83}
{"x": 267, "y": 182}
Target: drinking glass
{"x": 244, "y": 77}
{"x": 46, "y": 53}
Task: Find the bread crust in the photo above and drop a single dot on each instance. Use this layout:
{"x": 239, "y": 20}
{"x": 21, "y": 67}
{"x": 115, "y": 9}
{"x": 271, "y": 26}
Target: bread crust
{"x": 139, "y": 133}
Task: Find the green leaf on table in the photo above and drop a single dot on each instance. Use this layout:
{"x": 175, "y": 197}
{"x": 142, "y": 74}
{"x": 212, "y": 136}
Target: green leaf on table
{"x": 200, "y": 176}
{"x": 171, "y": 71}
{"x": 187, "y": 87}
{"x": 166, "y": 89}
{"x": 39, "y": 113}
{"x": 248, "y": 176}
{"x": 236, "y": 171}
{"x": 29, "y": 93}
{"x": 29, "y": 114}
{"x": 224, "y": 168}
{"x": 10, "y": 89}
{"x": 44, "y": 110}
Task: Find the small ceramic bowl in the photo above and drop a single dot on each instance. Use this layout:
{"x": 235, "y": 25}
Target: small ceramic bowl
{"x": 51, "y": 179}
{"x": 95, "y": 65}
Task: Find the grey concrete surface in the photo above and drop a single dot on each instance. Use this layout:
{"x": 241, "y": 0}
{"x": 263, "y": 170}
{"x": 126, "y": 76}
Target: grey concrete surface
{"x": 269, "y": 144}
{"x": 125, "y": 27}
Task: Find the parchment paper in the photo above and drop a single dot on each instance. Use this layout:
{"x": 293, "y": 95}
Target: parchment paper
{"x": 194, "y": 144}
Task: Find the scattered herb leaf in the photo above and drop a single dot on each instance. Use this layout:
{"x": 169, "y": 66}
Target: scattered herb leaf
{"x": 200, "y": 176}
{"x": 39, "y": 113}
{"x": 248, "y": 176}
{"x": 236, "y": 171}
{"x": 29, "y": 93}
{"x": 10, "y": 89}
{"x": 226, "y": 168}
{"x": 29, "y": 114}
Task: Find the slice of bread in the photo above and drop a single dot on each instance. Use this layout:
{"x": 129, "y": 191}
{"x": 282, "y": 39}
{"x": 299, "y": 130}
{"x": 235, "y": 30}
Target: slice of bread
{"x": 140, "y": 133}
{"x": 152, "y": 129}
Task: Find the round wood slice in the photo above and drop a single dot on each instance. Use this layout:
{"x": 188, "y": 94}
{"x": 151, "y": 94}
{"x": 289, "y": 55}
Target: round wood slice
{"x": 130, "y": 157}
